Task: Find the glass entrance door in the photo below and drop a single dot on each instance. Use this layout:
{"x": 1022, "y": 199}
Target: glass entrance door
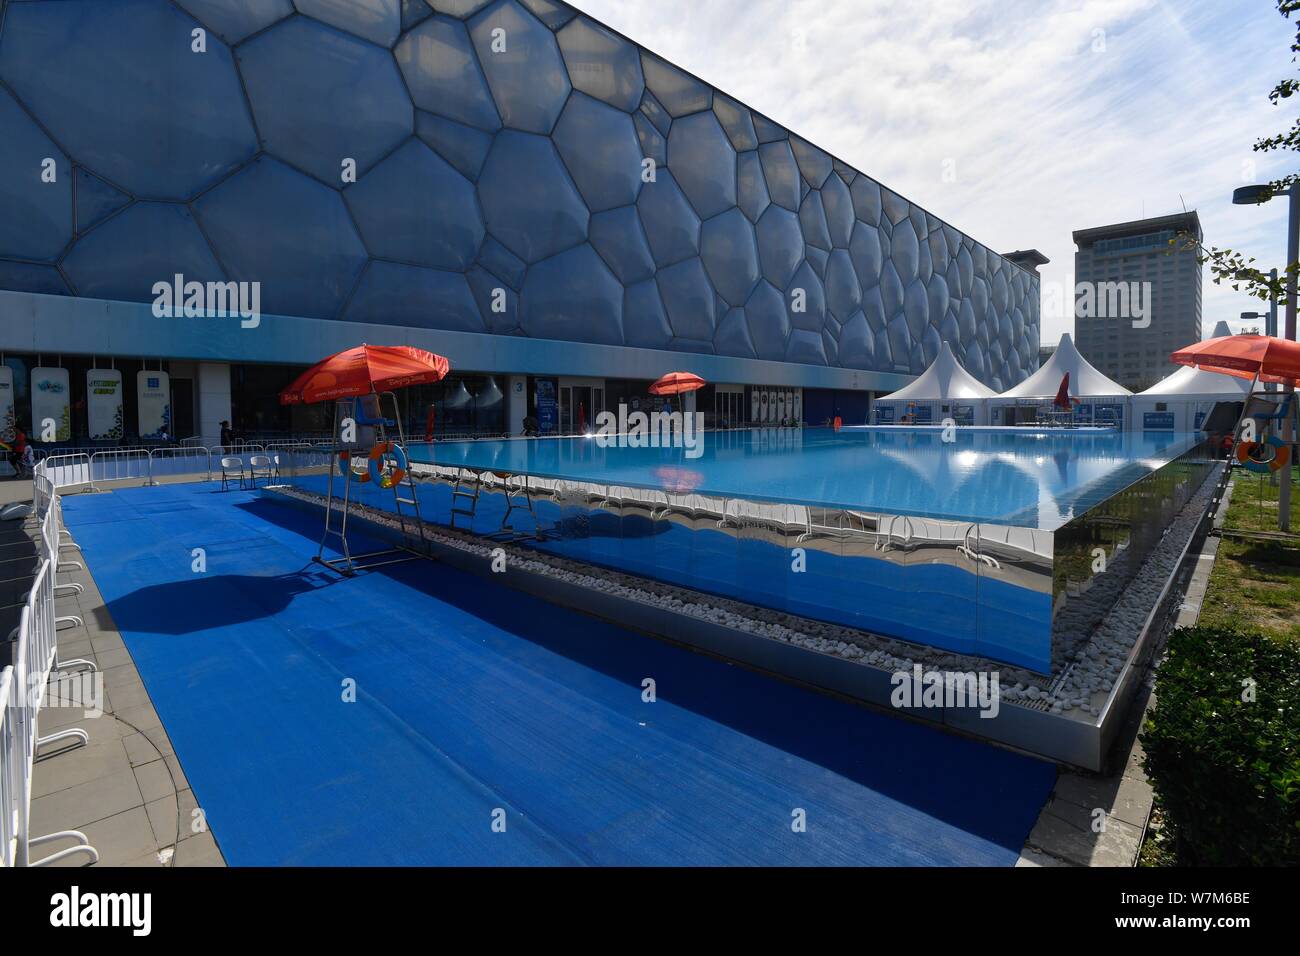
{"x": 728, "y": 409}
{"x": 579, "y": 406}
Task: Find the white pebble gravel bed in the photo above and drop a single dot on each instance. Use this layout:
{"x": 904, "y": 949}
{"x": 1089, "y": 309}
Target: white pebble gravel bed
{"x": 1097, "y": 662}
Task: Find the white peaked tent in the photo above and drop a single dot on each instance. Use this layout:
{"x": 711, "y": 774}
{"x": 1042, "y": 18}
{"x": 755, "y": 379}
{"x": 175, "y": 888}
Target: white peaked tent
{"x": 1180, "y": 402}
{"x": 944, "y": 390}
{"x": 1102, "y": 400}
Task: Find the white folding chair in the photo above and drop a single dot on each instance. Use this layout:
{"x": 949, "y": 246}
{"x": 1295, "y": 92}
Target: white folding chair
{"x": 232, "y": 468}
{"x": 260, "y": 466}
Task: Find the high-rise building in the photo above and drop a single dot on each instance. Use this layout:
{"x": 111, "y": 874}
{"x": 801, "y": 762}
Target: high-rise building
{"x": 1137, "y": 297}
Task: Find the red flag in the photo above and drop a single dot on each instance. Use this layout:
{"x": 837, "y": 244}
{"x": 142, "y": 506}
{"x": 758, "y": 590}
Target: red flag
{"x": 1063, "y": 399}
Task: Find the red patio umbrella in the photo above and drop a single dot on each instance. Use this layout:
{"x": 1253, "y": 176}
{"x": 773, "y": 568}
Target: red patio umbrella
{"x": 676, "y": 383}
{"x": 1245, "y": 356}
{"x": 365, "y": 369}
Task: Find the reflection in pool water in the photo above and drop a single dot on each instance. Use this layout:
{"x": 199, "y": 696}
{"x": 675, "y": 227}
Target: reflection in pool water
{"x": 1038, "y": 479}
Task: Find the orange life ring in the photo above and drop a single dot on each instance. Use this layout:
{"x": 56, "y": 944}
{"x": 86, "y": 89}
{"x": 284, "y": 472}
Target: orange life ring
{"x": 397, "y": 473}
{"x": 1278, "y": 461}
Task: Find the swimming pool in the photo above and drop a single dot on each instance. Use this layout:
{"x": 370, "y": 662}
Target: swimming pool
{"x": 1006, "y": 546}
{"x": 1040, "y": 479}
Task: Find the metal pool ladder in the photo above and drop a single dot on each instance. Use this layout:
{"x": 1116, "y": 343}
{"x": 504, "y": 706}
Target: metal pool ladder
{"x": 518, "y": 498}
{"x": 465, "y": 476}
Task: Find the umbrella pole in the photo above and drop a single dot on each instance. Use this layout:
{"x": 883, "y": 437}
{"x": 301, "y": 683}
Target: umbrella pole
{"x": 1245, "y": 409}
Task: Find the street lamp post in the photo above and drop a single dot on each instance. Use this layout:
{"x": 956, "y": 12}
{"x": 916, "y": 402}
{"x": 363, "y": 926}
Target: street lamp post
{"x": 1254, "y": 195}
{"x": 1269, "y": 317}
{"x": 1270, "y": 322}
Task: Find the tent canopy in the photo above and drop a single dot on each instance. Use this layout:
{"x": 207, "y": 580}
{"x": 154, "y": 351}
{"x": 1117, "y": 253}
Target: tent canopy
{"x": 1085, "y": 381}
{"x": 1190, "y": 382}
{"x": 945, "y": 380}
{"x": 1193, "y": 383}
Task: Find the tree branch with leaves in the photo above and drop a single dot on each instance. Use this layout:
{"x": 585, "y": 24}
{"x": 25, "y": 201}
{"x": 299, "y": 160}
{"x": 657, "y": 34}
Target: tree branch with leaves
{"x": 1227, "y": 266}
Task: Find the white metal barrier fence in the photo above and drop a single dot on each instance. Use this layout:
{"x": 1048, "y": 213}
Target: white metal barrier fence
{"x": 119, "y": 465}
{"x": 24, "y": 689}
{"x": 189, "y": 460}
{"x": 11, "y": 779}
{"x": 64, "y": 470}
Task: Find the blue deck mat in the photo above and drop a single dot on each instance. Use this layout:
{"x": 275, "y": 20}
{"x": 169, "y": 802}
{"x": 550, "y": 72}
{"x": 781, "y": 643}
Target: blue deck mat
{"x": 471, "y": 697}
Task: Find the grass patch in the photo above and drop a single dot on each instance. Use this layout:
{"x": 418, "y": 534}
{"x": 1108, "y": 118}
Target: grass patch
{"x": 1254, "y": 505}
{"x": 1255, "y": 585}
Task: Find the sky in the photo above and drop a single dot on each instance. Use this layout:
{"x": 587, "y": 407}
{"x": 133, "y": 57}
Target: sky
{"x": 1017, "y": 121}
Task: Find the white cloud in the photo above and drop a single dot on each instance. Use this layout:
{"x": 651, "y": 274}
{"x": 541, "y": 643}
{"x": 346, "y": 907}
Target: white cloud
{"x": 1058, "y": 114}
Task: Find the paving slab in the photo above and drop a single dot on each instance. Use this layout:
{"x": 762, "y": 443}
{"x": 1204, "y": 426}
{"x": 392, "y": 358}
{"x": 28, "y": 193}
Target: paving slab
{"x": 120, "y": 789}
{"x": 123, "y": 836}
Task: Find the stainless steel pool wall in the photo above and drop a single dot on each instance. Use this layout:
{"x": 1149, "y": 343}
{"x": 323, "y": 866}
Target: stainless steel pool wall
{"x": 1100, "y": 552}
{"x": 1016, "y": 595}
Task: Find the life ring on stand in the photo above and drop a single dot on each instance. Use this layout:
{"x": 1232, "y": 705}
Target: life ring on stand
{"x": 361, "y": 477}
{"x": 1276, "y": 462}
{"x": 378, "y": 460}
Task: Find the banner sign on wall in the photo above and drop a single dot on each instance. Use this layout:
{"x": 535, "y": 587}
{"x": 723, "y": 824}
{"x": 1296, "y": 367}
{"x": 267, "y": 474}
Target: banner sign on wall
{"x": 153, "y": 391}
{"x": 547, "y": 409}
{"x": 51, "y": 410}
{"x": 104, "y": 403}
{"x": 1158, "y": 421}
{"x": 1110, "y": 414}
{"x": 7, "y": 413}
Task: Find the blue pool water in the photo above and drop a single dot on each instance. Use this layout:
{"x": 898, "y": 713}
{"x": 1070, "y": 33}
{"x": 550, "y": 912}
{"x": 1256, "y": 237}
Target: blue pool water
{"x": 1037, "y": 479}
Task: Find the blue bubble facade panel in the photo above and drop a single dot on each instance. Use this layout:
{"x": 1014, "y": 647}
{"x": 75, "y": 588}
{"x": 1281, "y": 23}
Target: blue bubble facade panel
{"x": 500, "y": 167}
{"x": 120, "y": 88}
{"x": 148, "y": 243}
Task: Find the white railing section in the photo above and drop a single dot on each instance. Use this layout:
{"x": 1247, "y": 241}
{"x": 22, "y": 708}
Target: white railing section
{"x": 34, "y": 659}
{"x": 64, "y": 470}
{"x": 24, "y": 685}
{"x": 119, "y": 465}
{"x": 11, "y": 778}
{"x": 187, "y": 460}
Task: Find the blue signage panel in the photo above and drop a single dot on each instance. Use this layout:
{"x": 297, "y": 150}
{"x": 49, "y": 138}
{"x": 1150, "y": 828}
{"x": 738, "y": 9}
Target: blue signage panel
{"x": 548, "y": 414}
{"x": 1159, "y": 421}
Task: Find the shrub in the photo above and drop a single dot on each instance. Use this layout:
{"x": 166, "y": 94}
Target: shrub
{"x": 1225, "y": 769}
